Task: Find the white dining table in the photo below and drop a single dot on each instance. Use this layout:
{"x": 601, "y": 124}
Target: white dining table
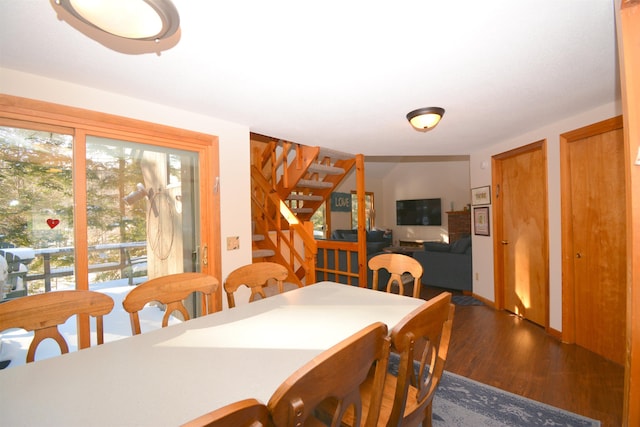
{"x": 171, "y": 375}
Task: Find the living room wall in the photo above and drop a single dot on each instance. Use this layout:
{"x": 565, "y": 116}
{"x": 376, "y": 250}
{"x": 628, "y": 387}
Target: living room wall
{"x": 442, "y": 178}
{"x": 406, "y": 178}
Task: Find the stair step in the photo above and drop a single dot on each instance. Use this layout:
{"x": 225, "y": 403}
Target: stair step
{"x": 334, "y": 154}
{"x": 306, "y": 197}
{"x": 308, "y": 183}
{"x": 257, "y": 237}
{"x": 326, "y": 169}
{"x": 262, "y": 253}
{"x": 302, "y": 210}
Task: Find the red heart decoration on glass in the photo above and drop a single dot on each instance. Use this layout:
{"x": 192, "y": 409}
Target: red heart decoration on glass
{"x": 53, "y": 222}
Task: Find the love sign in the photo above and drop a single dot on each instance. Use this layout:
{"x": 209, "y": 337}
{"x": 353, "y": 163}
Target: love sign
{"x": 52, "y": 223}
{"x": 341, "y": 202}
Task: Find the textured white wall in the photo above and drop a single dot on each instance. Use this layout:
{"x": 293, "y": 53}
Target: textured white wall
{"x": 447, "y": 180}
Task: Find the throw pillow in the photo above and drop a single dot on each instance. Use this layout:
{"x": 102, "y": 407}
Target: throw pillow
{"x": 436, "y": 246}
{"x": 461, "y": 245}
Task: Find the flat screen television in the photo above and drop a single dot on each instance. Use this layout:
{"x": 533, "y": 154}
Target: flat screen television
{"x": 418, "y": 212}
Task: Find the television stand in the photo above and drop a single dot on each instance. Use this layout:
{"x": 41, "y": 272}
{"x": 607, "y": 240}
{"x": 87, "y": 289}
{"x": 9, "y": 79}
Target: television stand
{"x": 413, "y": 243}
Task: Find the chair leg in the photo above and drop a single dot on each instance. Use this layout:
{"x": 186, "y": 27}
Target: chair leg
{"x": 427, "y": 419}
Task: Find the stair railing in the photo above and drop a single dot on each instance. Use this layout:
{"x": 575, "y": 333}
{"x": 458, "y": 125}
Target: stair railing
{"x": 291, "y": 239}
{"x": 346, "y": 262}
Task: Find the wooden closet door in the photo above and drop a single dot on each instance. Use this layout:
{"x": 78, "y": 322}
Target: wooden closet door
{"x": 596, "y": 249}
{"x": 521, "y": 230}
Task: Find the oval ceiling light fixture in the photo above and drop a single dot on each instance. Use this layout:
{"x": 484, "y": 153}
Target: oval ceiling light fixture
{"x": 424, "y": 119}
{"x": 145, "y": 20}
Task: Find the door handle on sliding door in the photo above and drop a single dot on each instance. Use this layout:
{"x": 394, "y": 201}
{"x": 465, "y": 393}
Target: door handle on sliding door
{"x": 205, "y": 254}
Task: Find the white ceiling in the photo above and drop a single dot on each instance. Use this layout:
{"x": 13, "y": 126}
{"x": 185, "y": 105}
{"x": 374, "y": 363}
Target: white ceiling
{"x": 343, "y": 74}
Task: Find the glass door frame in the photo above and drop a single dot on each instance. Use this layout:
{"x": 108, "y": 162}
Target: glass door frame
{"x": 80, "y": 123}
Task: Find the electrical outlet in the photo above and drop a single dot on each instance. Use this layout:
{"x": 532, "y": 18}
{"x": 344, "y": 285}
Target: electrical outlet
{"x": 477, "y": 276}
{"x": 233, "y": 243}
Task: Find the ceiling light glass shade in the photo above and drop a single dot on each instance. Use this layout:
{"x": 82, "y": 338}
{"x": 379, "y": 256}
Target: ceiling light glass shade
{"x": 425, "y": 118}
{"x": 131, "y": 19}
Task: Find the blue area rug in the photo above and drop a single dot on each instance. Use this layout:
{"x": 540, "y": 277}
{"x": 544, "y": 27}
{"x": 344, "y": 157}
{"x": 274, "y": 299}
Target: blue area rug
{"x": 462, "y": 402}
{"x": 465, "y": 300}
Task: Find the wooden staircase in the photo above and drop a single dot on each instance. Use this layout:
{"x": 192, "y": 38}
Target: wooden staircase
{"x": 289, "y": 183}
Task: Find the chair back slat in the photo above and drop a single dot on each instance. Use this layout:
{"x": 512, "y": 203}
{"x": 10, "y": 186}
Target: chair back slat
{"x": 256, "y": 277}
{"x": 328, "y": 388}
{"x": 43, "y": 313}
{"x": 170, "y": 290}
{"x": 421, "y": 337}
{"x": 397, "y": 265}
{"x": 244, "y": 413}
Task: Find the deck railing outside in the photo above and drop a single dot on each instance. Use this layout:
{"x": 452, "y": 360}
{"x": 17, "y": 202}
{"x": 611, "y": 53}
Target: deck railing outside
{"x": 129, "y": 258}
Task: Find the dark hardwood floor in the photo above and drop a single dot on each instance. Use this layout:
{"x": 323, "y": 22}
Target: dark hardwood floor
{"x": 507, "y": 352}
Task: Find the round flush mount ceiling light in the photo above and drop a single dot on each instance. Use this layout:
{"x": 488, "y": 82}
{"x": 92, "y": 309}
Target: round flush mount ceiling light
{"x": 143, "y": 20}
{"x": 424, "y": 119}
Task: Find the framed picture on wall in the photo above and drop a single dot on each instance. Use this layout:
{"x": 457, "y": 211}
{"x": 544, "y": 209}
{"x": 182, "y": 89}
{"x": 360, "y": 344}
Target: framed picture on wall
{"x": 481, "y": 195}
{"x": 481, "y": 221}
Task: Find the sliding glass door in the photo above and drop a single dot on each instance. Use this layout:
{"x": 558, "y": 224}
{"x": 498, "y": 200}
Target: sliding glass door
{"x": 142, "y": 205}
{"x": 142, "y": 219}
{"x": 102, "y": 205}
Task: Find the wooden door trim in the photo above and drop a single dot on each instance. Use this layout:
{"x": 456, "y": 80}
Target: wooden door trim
{"x": 568, "y": 277}
{"x": 498, "y": 237}
{"x": 498, "y": 258}
{"x": 628, "y": 24}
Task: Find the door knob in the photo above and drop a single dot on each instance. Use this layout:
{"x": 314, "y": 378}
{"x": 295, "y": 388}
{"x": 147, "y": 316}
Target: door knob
{"x": 505, "y": 242}
{"x": 578, "y": 255}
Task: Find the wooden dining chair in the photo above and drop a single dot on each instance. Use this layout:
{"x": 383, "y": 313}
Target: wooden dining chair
{"x": 421, "y": 342}
{"x": 42, "y": 313}
{"x": 397, "y": 265}
{"x": 244, "y": 413}
{"x": 256, "y": 277}
{"x": 327, "y": 388}
{"x": 422, "y": 336}
{"x": 170, "y": 290}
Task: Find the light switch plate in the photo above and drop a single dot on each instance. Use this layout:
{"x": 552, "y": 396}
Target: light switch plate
{"x": 233, "y": 243}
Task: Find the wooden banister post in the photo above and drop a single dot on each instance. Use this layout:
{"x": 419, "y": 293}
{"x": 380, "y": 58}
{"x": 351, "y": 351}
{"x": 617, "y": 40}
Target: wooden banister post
{"x": 362, "y": 233}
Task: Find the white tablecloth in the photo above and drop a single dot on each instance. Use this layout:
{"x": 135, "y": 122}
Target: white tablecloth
{"x": 169, "y": 376}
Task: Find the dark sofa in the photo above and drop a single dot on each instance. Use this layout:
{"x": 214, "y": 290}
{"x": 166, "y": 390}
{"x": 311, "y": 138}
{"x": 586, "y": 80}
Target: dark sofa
{"x": 447, "y": 265}
{"x": 376, "y": 239}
